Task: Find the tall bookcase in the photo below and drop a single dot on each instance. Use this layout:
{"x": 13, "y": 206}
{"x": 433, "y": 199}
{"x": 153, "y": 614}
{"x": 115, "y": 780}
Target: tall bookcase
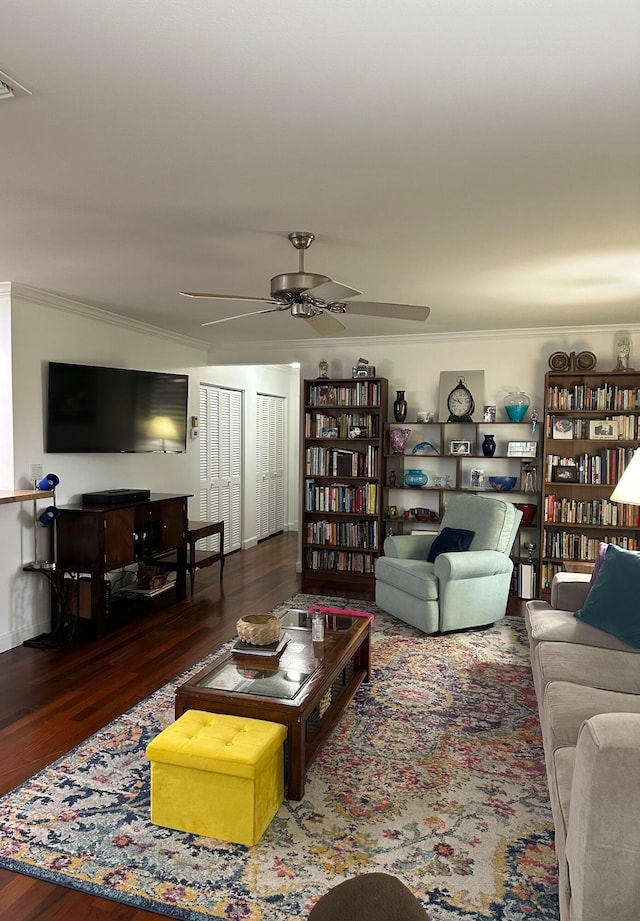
{"x": 591, "y": 430}
{"x": 342, "y": 478}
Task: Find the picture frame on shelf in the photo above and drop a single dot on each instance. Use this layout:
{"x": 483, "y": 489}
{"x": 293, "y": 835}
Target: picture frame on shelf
{"x": 392, "y": 511}
{"x": 561, "y": 427}
{"x": 459, "y": 448}
{"x": 357, "y": 431}
{"x": 522, "y": 449}
{"x": 476, "y": 479}
{"x": 564, "y": 473}
{"x": 603, "y": 429}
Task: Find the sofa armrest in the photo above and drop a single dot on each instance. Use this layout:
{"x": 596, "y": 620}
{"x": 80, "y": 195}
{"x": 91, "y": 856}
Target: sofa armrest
{"x": 472, "y": 564}
{"x": 603, "y": 843}
{"x": 569, "y": 590}
{"x": 409, "y": 546}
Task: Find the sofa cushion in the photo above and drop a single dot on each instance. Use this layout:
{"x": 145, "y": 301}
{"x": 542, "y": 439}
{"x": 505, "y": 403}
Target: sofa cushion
{"x": 613, "y": 603}
{"x": 545, "y": 624}
{"x": 567, "y": 705}
{"x": 597, "y": 566}
{"x": 450, "y": 540}
{"x": 591, "y": 666}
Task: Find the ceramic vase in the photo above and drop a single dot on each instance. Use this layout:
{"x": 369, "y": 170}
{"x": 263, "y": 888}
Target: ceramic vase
{"x": 399, "y": 407}
{"x": 516, "y": 405}
{"x": 416, "y": 478}
{"x": 399, "y": 439}
{"x": 489, "y": 446}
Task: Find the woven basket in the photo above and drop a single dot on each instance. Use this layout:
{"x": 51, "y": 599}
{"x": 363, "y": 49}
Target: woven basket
{"x": 259, "y": 629}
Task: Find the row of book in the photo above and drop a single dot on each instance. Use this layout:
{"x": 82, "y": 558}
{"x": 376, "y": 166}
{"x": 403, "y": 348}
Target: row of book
{"x": 359, "y": 393}
{"x": 346, "y": 425}
{"x": 547, "y": 572}
{"x": 320, "y": 461}
{"x": 599, "y": 399}
{"x": 559, "y": 510}
{"x": 621, "y": 428}
{"x": 362, "y": 534}
{"x": 567, "y": 545}
{"x": 339, "y": 497}
{"x": 340, "y": 560}
{"x": 604, "y": 467}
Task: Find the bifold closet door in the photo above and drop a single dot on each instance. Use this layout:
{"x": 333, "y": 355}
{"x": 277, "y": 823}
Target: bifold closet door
{"x": 270, "y": 454}
{"x": 220, "y": 426}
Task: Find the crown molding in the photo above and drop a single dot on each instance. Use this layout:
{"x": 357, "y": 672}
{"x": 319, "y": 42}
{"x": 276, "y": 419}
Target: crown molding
{"x": 68, "y": 305}
{"x": 246, "y": 352}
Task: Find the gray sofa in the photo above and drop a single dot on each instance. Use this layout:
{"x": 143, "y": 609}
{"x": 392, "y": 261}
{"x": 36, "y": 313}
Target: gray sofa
{"x": 587, "y": 685}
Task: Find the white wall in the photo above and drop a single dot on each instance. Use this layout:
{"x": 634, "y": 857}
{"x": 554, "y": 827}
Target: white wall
{"x": 47, "y": 328}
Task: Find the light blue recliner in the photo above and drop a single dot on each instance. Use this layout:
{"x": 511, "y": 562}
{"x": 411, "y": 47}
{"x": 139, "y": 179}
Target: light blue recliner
{"x": 461, "y": 589}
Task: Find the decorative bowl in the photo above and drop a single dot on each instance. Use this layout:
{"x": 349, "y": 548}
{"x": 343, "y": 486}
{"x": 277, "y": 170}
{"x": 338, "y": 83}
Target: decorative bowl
{"x": 259, "y": 629}
{"x": 528, "y": 510}
{"x": 503, "y": 483}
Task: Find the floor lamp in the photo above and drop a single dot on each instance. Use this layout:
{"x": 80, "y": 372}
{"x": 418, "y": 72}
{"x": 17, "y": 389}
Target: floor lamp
{"x": 628, "y": 488}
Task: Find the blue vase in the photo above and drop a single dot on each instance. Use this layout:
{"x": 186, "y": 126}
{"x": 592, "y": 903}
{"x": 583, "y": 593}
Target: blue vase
{"x": 489, "y": 446}
{"x": 415, "y": 478}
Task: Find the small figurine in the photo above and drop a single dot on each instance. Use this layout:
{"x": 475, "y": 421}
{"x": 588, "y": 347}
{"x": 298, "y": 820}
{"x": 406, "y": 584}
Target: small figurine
{"x": 534, "y": 419}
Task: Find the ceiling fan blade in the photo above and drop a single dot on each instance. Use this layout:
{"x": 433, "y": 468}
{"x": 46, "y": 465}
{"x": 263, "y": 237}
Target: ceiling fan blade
{"x": 229, "y": 297}
{"x": 241, "y": 316}
{"x": 331, "y": 291}
{"x": 395, "y": 311}
{"x": 325, "y": 324}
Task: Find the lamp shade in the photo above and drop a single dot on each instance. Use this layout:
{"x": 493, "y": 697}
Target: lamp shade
{"x": 48, "y": 515}
{"x": 50, "y": 481}
{"x": 628, "y": 488}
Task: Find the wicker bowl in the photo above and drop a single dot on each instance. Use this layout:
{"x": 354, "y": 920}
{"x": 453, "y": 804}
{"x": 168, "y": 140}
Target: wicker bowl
{"x": 259, "y": 629}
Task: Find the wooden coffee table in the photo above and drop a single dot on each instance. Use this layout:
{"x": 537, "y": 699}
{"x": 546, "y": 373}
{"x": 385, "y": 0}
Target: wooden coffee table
{"x": 306, "y": 690}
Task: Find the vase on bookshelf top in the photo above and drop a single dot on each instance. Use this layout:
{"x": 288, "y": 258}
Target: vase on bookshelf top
{"x": 489, "y": 445}
{"x": 399, "y": 407}
{"x": 516, "y": 405}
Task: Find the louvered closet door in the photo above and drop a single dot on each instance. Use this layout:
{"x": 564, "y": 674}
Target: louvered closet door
{"x": 270, "y": 453}
{"x": 220, "y": 462}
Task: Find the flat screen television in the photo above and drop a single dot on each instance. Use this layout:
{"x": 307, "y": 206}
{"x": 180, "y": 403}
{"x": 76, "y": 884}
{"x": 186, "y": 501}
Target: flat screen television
{"x": 115, "y": 410}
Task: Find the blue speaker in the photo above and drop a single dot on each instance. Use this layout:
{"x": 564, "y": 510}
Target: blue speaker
{"x": 48, "y": 515}
{"x": 50, "y": 481}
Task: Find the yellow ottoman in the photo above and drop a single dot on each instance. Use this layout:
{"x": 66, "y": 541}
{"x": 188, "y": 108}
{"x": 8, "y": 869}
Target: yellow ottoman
{"x": 216, "y": 775}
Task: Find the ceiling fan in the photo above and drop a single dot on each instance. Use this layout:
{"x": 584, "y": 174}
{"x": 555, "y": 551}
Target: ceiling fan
{"x": 314, "y": 298}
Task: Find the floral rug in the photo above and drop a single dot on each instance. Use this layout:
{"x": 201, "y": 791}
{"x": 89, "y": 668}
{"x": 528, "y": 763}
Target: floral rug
{"x": 435, "y": 774}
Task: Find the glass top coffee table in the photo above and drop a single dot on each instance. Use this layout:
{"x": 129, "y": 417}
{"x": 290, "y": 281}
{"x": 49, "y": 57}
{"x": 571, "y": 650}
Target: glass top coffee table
{"x": 306, "y": 689}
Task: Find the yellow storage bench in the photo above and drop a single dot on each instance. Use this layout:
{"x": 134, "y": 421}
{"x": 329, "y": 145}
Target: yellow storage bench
{"x": 217, "y": 775}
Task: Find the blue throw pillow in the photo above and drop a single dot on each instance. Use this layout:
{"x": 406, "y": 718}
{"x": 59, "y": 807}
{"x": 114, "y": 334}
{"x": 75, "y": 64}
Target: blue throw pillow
{"x": 613, "y": 603}
{"x": 450, "y": 540}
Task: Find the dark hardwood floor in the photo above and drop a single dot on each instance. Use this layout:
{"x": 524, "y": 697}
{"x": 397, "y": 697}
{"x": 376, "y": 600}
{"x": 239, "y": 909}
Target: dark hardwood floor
{"x": 53, "y": 699}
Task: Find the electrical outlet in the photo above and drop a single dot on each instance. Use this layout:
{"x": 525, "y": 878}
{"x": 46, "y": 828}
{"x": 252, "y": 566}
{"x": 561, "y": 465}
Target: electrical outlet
{"x": 36, "y": 472}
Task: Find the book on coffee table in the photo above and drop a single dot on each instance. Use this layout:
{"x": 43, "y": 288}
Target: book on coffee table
{"x": 272, "y": 651}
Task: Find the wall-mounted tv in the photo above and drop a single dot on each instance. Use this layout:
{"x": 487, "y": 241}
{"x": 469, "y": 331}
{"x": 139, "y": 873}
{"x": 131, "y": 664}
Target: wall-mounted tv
{"x": 114, "y": 410}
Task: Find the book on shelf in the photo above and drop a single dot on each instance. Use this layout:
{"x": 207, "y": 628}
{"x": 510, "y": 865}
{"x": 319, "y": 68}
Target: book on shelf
{"x": 526, "y": 581}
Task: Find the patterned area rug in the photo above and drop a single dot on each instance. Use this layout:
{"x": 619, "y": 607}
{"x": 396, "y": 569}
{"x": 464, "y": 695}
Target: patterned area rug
{"x": 435, "y": 774}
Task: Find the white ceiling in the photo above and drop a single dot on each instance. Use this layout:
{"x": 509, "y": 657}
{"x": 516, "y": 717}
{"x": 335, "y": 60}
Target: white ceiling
{"x": 478, "y": 156}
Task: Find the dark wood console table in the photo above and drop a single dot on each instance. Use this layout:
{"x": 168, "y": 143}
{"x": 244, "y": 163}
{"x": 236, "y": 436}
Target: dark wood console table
{"x": 96, "y": 539}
